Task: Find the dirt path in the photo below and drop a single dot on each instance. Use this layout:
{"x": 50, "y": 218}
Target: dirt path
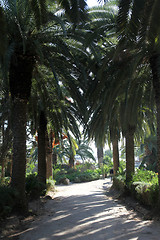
{"x": 83, "y": 212}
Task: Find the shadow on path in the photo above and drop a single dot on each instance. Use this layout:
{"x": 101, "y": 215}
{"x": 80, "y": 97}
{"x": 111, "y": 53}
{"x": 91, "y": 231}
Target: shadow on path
{"x": 83, "y": 212}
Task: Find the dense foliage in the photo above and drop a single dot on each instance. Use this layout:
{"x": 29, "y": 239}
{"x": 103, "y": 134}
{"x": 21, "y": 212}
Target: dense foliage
{"x": 79, "y": 174}
{"x": 144, "y": 187}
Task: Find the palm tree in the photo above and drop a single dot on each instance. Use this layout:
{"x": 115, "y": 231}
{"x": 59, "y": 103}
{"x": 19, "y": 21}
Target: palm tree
{"x": 20, "y": 59}
{"x": 122, "y": 88}
{"x": 5, "y": 125}
{"x": 52, "y": 109}
{"x": 84, "y": 150}
{"x": 100, "y": 155}
{"x": 76, "y": 148}
{"x": 42, "y": 147}
{"x": 138, "y": 26}
{"x": 29, "y": 28}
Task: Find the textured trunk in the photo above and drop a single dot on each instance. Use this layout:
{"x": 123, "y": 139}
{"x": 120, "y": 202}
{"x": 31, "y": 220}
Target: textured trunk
{"x": 71, "y": 161}
{"x": 3, "y": 170}
{"x": 20, "y": 80}
{"x": 49, "y": 170}
{"x": 2, "y": 159}
{"x": 115, "y": 156}
{"x": 54, "y": 157}
{"x": 19, "y": 149}
{"x": 129, "y": 154}
{"x": 42, "y": 148}
{"x": 154, "y": 63}
{"x": 6, "y": 142}
{"x": 100, "y": 156}
{"x": 49, "y": 173}
{"x": 9, "y": 167}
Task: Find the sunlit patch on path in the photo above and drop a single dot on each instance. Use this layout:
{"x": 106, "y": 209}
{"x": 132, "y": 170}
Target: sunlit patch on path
{"x": 83, "y": 212}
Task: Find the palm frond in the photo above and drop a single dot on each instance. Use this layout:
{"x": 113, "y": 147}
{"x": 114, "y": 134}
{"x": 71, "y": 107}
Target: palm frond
{"x": 122, "y": 19}
{"x": 75, "y": 10}
{"x": 3, "y": 32}
{"x": 39, "y": 10}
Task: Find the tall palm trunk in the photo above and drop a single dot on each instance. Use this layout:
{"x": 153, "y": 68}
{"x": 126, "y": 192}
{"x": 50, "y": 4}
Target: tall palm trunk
{"x": 42, "y": 148}
{"x": 2, "y": 161}
{"x": 54, "y": 157}
{"x": 130, "y": 162}
{"x": 115, "y": 156}
{"x": 19, "y": 150}
{"x": 71, "y": 161}
{"x": 154, "y": 63}
{"x": 20, "y": 80}
{"x": 49, "y": 170}
{"x": 3, "y": 170}
{"x": 100, "y": 156}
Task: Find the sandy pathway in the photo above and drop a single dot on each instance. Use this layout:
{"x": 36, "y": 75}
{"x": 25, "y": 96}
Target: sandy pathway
{"x": 83, "y": 212}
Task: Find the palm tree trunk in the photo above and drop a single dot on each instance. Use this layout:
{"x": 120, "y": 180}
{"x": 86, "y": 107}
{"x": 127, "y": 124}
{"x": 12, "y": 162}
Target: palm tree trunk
{"x": 54, "y": 159}
{"x": 130, "y": 165}
{"x": 20, "y": 81}
{"x": 100, "y": 156}
{"x": 49, "y": 170}
{"x": 115, "y": 156}
{"x": 71, "y": 161}
{"x": 42, "y": 148}
{"x": 154, "y": 63}
{"x": 19, "y": 149}
{"x": 2, "y": 159}
{"x": 3, "y": 170}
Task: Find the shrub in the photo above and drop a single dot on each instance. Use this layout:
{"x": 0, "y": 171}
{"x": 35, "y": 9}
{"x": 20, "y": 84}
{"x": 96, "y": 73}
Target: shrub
{"x": 145, "y": 187}
{"x": 119, "y": 183}
{"x": 56, "y": 172}
{"x": 59, "y": 178}
{"x": 50, "y": 184}
{"x": 122, "y": 168}
{"x": 77, "y": 175}
{"x": 145, "y": 176}
{"x": 8, "y": 199}
{"x": 34, "y": 188}
{"x": 88, "y": 175}
{"x": 5, "y": 181}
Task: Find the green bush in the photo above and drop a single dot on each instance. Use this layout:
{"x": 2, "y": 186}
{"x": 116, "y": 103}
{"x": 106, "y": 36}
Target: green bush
{"x": 56, "y": 172}
{"x": 105, "y": 169}
{"x": 8, "y": 199}
{"x": 145, "y": 187}
{"x": 88, "y": 175}
{"x": 34, "y": 188}
{"x": 145, "y": 176}
{"x": 59, "y": 178}
{"x": 76, "y": 175}
{"x": 122, "y": 168}
{"x": 119, "y": 183}
{"x": 50, "y": 184}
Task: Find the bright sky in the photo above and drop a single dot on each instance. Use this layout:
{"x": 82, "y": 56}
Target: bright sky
{"x": 92, "y": 3}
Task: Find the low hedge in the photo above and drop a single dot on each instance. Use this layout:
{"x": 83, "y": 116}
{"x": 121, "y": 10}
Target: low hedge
{"x": 144, "y": 187}
{"x": 76, "y": 176}
{"x": 145, "y": 193}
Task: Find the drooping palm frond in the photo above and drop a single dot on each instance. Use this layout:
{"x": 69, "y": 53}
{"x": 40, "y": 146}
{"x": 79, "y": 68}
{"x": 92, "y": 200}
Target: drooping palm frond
{"x": 123, "y": 15}
{"x": 75, "y": 10}
{"x": 39, "y": 9}
{"x": 61, "y": 112}
{"x": 3, "y": 32}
